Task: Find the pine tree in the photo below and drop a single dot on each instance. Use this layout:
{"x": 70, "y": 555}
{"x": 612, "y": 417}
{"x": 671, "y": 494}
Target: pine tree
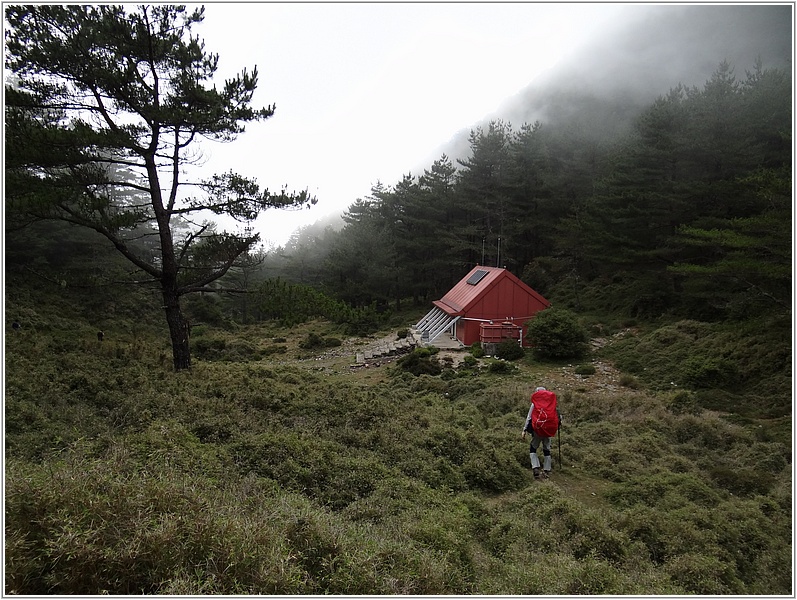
{"x": 106, "y": 109}
{"x": 484, "y": 194}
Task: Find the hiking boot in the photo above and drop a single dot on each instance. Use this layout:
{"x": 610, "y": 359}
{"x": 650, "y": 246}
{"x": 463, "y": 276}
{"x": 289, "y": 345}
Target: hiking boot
{"x": 536, "y": 472}
{"x": 546, "y": 474}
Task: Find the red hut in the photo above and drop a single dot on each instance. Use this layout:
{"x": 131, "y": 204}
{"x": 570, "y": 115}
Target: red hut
{"x": 488, "y": 302}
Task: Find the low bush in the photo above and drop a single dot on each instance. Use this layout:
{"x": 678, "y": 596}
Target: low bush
{"x": 273, "y": 349}
{"x": 585, "y": 370}
{"x": 509, "y": 350}
{"x": 726, "y": 364}
{"x": 742, "y": 481}
{"x": 314, "y": 341}
{"x": 208, "y": 348}
{"x": 242, "y": 350}
{"x": 663, "y": 490}
{"x": 629, "y": 381}
{"x": 206, "y": 310}
{"x": 709, "y": 372}
{"x": 469, "y": 361}
{"x": 557, "y": 334}
{"x": 291, "y": 304}
{"x": 704, "y": 574}
{"x": 683, "y": 402}
{"x": 420, "y": 361}
{"x": 501, "y": 367}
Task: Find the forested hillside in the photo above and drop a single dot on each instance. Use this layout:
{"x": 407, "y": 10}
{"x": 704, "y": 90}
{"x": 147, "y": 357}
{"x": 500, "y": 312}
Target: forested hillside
{"x": 687, "y": 215}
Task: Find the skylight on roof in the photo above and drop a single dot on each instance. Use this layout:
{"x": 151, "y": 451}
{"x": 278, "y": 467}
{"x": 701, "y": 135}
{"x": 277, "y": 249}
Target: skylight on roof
{"x": 476, "y": 277}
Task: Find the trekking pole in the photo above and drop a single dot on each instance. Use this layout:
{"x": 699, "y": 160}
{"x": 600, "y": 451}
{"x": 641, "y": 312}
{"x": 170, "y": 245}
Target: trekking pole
{"x": 559, "y": 437}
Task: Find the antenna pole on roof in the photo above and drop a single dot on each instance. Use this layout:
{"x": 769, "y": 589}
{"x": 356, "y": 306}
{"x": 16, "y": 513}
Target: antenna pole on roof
{"x": 482, "y": 250}
{"x": 498, "y": 259}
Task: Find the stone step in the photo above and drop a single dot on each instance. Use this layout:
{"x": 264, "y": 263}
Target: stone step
{"x": 385, "y": 348}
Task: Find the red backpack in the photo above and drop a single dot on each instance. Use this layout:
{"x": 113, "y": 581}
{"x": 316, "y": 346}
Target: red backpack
{"x": 544, "y": 418}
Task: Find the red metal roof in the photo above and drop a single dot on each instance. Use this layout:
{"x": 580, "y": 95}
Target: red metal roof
{"x": 464, "y": 295}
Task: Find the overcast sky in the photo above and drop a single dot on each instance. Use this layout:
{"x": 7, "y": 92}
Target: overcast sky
{"x": 370, "y": 92}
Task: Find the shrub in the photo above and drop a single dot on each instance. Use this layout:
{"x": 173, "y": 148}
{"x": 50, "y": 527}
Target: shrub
{"x": 501, "y": 367}
{"x": 477, "y": 350}
{"x": 702, "y": 372}
{"x": 208, "y": 348}
{"x": 556, "y": 334}
{"x": 629, "y": 381}
{"x": 321, "y": 469}
{"x": 241, "y": 350}
{"x": 273, "y": 349}
{"x": 584, "y": 370}
{"x": 469, "y": 361}
{"x": 742, "y": 481}
{"x": 683, "y": 402}
{"x": 705, "y": 575}
{"x": 420, "y": 362}
{"x": 738, "y": 360}
{"x": 252, "y": 478}
{"x": 234, "y": 349}
{"x": 509, "y": 350}
{"x": 312, "y": 341}
{"x": 206, "y": 310}
{"x": 663, "y": 490}
{"x": 493, "y": 471}
{"x": 135, "y": 537}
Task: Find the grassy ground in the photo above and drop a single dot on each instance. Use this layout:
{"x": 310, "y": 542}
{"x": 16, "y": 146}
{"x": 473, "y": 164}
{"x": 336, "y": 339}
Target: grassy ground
{"x": 274, "y": 467}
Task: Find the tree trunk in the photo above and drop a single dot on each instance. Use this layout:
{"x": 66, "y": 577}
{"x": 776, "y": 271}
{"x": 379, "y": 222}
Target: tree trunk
{"x": 179, "y": 330}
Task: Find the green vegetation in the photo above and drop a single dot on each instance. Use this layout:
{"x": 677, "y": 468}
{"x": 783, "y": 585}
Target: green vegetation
{"x": 509, "y": 350}
{"x": 421, "y": 361}
{"x": 273, "y": 465}
{"x": 556, "y": 333}
{"x": 585, "y": 370}
{"x": 290, "y": 304}
{"x": 259, "y": 472}
{"x": 743, "y": 368}
{"x": 122, "y": 176}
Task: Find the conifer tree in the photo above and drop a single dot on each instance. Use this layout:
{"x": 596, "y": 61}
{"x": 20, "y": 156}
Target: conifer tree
{"x": 104, "y": 117}
{"x": 484, "y": 194}
{"x": 440, "y": 204}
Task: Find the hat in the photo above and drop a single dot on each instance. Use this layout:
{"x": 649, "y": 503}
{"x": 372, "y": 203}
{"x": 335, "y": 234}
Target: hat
{"x": 540, "y": 389}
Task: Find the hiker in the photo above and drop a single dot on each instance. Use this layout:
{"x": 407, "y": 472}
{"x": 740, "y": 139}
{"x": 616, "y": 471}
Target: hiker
{"x": 543, "y": 425}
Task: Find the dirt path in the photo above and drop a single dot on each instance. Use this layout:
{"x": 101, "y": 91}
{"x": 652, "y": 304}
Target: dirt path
{"x": 604, "y": 382}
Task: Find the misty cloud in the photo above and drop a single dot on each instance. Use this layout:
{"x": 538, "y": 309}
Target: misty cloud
{"x": 612, "y": 76}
